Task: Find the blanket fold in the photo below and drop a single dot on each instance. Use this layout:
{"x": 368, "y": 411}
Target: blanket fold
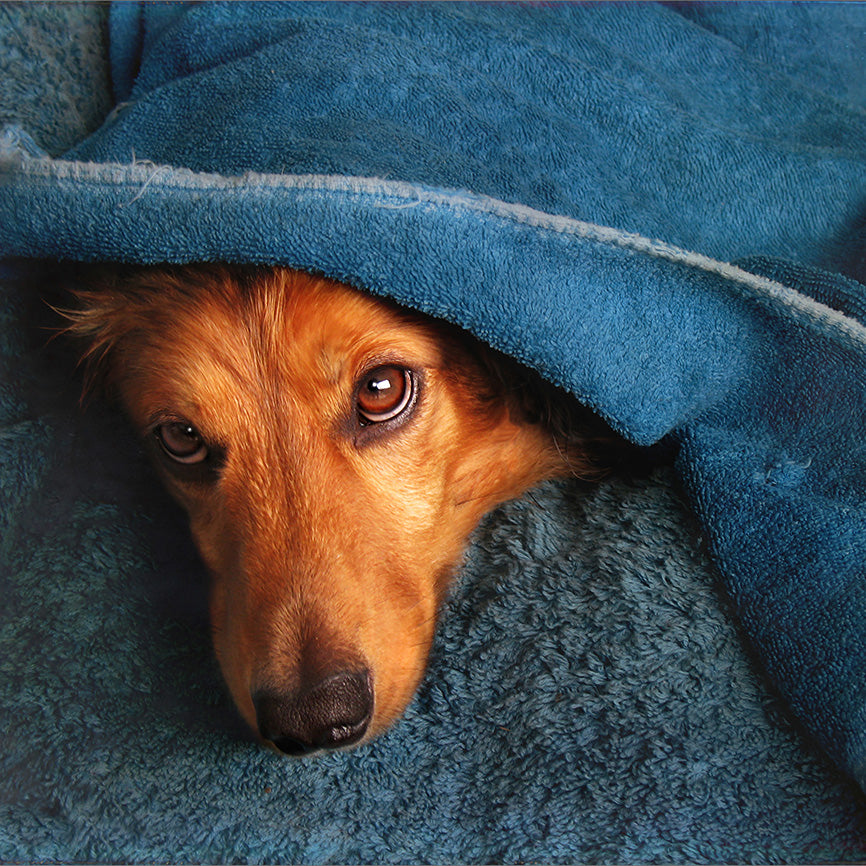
{"x": 527, "y": 173}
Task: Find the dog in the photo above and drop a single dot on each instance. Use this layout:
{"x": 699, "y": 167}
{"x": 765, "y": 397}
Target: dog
{"x": 334, "y": 453}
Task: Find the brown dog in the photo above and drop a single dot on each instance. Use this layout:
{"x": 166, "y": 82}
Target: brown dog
{"x": 334, "y": 452}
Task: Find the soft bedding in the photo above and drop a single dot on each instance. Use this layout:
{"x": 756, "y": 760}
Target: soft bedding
{"x": 659, "y": 207}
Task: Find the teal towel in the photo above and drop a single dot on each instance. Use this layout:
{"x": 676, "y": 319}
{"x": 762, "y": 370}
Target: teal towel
{"x": 657, "y": 207}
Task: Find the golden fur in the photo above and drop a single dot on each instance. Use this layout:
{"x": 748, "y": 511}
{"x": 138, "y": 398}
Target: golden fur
{"x": 330, "y": 539}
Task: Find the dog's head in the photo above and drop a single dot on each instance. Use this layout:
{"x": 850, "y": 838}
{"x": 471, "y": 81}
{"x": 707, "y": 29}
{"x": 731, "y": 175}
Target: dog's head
{"x": 334, "y": 453}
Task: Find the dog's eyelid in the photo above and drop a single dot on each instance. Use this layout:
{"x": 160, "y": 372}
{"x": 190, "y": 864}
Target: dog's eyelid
{"x": 182, "y": 442}
{"x": 384, "y": 393}
{"x": 165, "y": 416}
{"x": 398, "y": 409}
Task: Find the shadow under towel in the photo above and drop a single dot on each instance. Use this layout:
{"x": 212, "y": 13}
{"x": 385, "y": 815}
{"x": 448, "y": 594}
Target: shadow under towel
{"x": 659, "y": 208}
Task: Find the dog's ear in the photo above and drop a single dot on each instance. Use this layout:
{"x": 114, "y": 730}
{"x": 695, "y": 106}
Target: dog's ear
{"x": 102, "y": 312}
{"x": 113, "y": 304}
{"x": 587, "y": 445}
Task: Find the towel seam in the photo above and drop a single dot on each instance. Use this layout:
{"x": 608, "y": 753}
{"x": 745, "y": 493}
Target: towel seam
{"x": 140, "y": 174}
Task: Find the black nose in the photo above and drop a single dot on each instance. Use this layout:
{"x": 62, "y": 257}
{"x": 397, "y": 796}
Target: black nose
{"x": 332, "y": 712}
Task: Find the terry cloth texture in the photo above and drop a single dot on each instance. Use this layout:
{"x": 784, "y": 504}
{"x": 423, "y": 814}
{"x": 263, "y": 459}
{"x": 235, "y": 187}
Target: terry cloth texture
{"x": 571, "y": 183}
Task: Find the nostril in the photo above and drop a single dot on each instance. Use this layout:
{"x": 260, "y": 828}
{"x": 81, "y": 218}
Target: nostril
{"x": 292, "y": 747}
{"x": 331, "y": 713}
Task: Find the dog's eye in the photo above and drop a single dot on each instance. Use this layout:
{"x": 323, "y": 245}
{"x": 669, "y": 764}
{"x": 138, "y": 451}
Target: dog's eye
{"x": 384, "y": 393}
{"x": 181, "y": 441}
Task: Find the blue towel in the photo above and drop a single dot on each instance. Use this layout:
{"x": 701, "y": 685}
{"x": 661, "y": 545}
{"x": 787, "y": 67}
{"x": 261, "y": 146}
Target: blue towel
{"x": 660, "y": 208}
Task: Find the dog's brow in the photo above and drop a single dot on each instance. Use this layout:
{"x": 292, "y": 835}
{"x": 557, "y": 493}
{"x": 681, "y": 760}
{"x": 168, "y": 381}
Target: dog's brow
{"x": 231, "y": 363}
{"x": 332, "y": 364}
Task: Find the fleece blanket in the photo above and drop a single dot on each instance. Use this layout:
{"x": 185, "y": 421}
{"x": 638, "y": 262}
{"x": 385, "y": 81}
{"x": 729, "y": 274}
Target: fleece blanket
{"x": 660, "y": 209}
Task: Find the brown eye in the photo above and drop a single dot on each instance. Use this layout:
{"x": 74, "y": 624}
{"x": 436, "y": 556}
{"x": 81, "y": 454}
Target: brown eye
{"x": 181, "y": 441}
{"x": 384, "y": 393}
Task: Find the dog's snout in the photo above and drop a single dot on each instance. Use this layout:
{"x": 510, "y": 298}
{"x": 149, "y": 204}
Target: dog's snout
{"x": 331, "y": 713}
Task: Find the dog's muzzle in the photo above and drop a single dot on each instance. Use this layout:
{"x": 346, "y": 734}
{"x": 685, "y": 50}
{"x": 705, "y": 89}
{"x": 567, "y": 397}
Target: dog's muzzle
{"x": 331, "y": 713}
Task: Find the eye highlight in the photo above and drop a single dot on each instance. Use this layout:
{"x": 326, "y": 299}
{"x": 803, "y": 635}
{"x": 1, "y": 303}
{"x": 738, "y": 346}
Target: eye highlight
{"x": 384, "y": 393}
{"x": 181, "y": 442}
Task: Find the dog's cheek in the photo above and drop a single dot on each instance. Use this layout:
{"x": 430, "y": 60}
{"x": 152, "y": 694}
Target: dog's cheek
{"x": 398, "y": 667}
{"x": 217, "y": 548}
{"x": 398, "y": 633}
{"x": 230, "y": 651}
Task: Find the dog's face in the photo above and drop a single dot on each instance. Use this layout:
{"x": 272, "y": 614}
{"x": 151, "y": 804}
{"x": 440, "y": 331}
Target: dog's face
{"x": 333, "y": 453}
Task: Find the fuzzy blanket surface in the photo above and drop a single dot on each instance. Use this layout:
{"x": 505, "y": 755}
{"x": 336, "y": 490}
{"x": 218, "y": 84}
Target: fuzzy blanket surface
{"x": 660, "y": 208}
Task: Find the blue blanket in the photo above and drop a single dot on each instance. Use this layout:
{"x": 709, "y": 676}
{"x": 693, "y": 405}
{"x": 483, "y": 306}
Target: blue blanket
{"x": 660, "y": 208}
